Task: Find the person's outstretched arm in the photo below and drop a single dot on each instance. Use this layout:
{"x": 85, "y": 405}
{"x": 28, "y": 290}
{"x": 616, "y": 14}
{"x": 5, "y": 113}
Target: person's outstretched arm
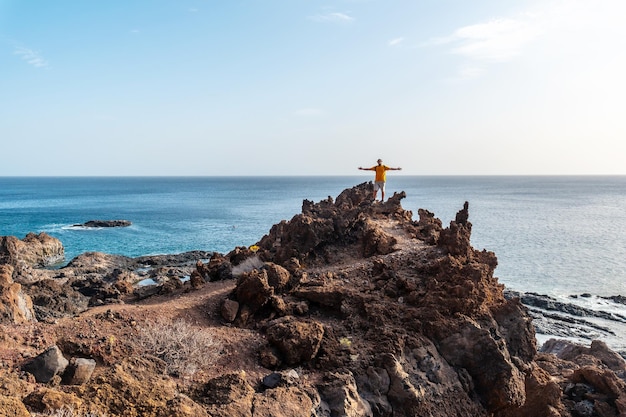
{"x": 366, "y": 169}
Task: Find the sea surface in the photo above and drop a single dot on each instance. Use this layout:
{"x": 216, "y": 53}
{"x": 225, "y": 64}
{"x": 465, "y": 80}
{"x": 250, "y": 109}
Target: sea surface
{"x": 559, "y": 236}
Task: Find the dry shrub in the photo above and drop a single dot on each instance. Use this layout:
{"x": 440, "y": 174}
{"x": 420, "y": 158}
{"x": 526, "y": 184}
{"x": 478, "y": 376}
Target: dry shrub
{"x": 247, "y": 266}
{"x": 185, "y": 349}
{"x": 66, "y": 412}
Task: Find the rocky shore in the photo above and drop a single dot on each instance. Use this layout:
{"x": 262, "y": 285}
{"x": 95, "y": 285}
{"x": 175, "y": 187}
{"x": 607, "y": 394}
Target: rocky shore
{"x": 351, "y": 308}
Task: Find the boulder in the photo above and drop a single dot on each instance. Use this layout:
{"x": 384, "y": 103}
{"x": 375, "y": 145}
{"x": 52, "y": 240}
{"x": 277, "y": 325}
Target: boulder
{"x": 34, "y": 250}
{"x": 281, "y": 379}
{"x": 277, "y": 277}
{"x": 543, "y": 396}
{"x": 253, "y": 290}
{"x": 15, "y": 306}
{"x": 604, "y": 381}
{"x": 229, "y": 310}
{"x": 592, "y": 377}
{"x": 297, "y": 340}
{"x": 79, "y": 371}
{"x": 340, "y": 392}
{"x": 47, "y": 365}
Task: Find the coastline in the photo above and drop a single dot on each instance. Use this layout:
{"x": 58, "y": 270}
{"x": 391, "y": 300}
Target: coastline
{"x": 547, "y": 231}
{"x": 346, "y": 284}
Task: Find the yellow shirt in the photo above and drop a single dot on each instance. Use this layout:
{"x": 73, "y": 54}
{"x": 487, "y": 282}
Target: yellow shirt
{"x": 381, "y": 172}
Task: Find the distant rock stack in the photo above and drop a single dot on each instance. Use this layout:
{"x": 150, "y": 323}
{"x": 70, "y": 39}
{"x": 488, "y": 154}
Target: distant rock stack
{"x": 105, "y": 223}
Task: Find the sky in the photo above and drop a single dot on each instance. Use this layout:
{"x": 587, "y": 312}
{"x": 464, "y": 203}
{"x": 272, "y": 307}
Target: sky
{"x": 311, "y": 87}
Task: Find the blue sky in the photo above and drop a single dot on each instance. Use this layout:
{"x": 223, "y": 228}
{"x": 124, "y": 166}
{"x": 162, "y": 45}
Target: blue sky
{"x": 295, "y": 87}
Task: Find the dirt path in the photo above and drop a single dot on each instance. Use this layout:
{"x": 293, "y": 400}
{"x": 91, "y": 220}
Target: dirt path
{"x": 98, "y": 327}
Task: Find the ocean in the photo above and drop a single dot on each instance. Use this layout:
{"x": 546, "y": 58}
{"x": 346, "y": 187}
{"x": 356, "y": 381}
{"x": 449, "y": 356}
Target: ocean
{"x": 559, "y": 236}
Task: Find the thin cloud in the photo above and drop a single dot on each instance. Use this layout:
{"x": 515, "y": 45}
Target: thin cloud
{"x": 32, "y": 57}
{"x": 334, "y": 17}
{"x": 498, "y": 40}
{"x": 396, "y": 42}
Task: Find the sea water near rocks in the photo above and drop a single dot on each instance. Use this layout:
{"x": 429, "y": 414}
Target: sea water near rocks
{"x": 563, "y": 237}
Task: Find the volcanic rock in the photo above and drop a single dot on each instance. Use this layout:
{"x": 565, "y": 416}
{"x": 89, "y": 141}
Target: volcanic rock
{"x": 15, "y": 305}
{"x": 105, "y": 223}
{"x": 382, "y": 315}
{"x": 229, "y": 310}
{"x": 53, "y": 299}
{"x": 219, "y": 268}
{"x": 34, "y": 250}
{"x": 340, "y": 392}
{"x": 282, "y": 402}
{"x": 228, "y": 393}
{"x": 79, "y": 371}
{"x": 48, "y": 364}
{"x": 297, "y": 340}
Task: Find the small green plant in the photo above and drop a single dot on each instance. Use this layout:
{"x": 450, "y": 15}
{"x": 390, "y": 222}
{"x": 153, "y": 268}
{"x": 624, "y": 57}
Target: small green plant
{"x": 184, "y": 348}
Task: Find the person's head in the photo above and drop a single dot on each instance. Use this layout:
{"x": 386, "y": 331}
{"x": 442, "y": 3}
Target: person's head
{"x": 380, "y": 161}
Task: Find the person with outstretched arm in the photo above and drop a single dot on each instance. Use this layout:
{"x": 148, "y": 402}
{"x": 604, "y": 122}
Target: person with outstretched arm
{"x": 381, "y": 177}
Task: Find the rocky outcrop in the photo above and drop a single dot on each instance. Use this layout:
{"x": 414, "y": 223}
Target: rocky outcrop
{"x": 95, "y": 278}
{"x": 383, "y": 296}
{"x": 34, "y": 250}
{"x": 105, "y": 223}
{"x": 15, "y": 305}
{"x": 592, "y": 380}
{"x": 297, "y": 341}
{"x": 315, "y": 235}
{"x": 53, "y": 299}
{"x": 351, "y": 308}
{"x": 409, "y": 304}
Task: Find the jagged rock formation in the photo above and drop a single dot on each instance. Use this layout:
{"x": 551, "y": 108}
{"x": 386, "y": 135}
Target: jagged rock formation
{"x": 358, "y": 310}
{"x": 431, "y": 320}
{"x": 34, "y": 250}
{"x": 407, "y": 314}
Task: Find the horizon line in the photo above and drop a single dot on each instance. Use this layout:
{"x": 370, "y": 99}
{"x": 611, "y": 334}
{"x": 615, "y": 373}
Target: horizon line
{"x": 302, "y": 175}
